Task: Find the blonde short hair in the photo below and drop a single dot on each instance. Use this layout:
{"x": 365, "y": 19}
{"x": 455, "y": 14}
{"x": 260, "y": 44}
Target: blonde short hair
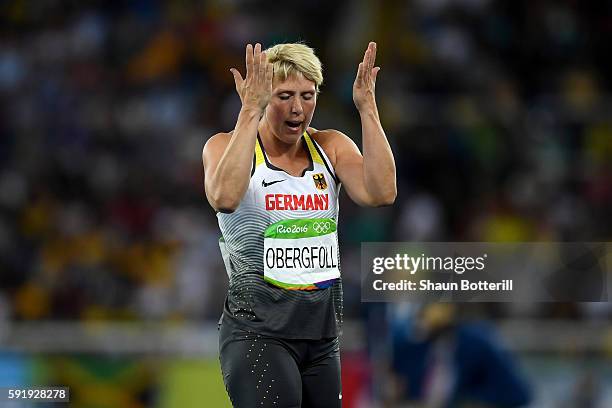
{"x": 290, "y": 59}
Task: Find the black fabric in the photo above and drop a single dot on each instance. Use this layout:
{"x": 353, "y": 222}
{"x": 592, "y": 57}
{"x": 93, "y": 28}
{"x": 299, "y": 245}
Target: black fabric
{"x": 276, "y": 312}
{"x": 266, "y": 372}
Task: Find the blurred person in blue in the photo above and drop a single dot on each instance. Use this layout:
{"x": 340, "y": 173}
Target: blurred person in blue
{"x": 440, "y": 360}
{"x": 274, "y": 182}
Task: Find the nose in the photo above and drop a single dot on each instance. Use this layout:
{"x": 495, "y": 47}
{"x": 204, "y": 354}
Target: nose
{"x": 296, "y": 106}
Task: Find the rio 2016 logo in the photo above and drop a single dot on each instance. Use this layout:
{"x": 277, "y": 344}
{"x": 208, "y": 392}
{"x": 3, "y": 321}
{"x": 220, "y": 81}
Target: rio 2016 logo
{"x": 291, "y": 229}
{"x": 321, "y": 227}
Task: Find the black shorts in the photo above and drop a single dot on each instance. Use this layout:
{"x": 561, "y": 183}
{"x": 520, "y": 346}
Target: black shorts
{"x": 261, "y": 371}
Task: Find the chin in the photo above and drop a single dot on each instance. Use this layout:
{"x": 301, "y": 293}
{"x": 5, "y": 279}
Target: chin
{"x": 290, "y": 137}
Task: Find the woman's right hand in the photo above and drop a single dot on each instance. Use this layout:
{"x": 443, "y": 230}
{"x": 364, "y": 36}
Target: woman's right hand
{"x": 255, "y": 90}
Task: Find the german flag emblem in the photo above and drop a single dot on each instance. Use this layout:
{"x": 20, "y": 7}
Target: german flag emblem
{"x": 319, "y": 180}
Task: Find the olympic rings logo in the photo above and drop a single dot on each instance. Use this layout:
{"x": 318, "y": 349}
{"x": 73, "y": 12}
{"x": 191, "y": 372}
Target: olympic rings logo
{"x": 321, "y": 227}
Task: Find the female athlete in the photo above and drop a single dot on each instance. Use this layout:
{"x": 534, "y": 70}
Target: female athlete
{"x": 274, "y": 182}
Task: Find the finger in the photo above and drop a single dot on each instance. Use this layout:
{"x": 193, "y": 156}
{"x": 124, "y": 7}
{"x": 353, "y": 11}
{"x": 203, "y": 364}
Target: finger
{"x": 375, "y": 74}
{"x": 263, "y": 66}
{"x": 256, "y": 60}
{"x": 237, "y": 77}
{"x": 365, "y": 57}
{"x": 269, "y": 74}
{"x": 366, "y": 65}
{"x": 369, "y": 59}
{"x": 360, "y": 73}
{"x": 249, "y": 61}
{"x": 372, "y": 55}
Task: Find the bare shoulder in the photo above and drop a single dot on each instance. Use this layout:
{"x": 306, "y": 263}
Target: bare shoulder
{"x": 329, "y": 137}
{"x": 332, "y": 141}
{"x": 216, "y": 144}
{"x": 219, "y": 139}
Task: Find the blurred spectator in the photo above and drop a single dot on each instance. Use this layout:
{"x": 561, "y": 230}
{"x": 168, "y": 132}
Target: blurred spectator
{"x": 442, "y": 361}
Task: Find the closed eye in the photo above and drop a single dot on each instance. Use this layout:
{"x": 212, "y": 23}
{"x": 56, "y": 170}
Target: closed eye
{"x": 286, "y": 96}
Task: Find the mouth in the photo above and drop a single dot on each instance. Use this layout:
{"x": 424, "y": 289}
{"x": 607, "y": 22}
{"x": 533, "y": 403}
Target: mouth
{"x": 294, "y": 126}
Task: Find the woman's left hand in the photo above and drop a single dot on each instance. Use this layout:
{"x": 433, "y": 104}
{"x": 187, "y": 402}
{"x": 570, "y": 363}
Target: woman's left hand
{"x": 365, "y": 82}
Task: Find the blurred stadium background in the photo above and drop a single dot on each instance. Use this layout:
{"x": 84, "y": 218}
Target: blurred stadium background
{"x": 111, "y": 280}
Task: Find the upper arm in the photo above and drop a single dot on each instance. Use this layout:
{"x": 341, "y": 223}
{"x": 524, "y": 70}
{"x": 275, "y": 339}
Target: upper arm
{"x": 211, "y": 155}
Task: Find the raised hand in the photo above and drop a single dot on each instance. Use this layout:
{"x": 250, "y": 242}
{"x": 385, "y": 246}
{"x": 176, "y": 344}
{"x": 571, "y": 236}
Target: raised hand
{"x": 365, "y": 82}
{"x": 255, "y": 90}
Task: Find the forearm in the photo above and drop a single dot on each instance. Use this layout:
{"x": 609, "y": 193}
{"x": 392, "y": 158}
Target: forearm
{"x": 231, "y": 178}
{"x": 378, "y": 161}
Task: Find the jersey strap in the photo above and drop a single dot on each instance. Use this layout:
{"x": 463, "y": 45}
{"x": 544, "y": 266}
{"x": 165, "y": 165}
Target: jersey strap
{"x": 317, "y": 156}
{"x": 314, "y": 153}
{"x": 259, "y": 156}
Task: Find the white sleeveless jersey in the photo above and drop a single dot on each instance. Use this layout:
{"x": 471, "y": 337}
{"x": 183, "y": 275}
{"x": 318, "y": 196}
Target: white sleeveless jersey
{"x": 280, "y": 250}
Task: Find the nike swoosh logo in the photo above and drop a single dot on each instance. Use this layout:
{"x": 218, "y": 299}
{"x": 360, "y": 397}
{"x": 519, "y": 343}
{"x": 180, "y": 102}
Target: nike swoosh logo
{"x": 263, "y": 182}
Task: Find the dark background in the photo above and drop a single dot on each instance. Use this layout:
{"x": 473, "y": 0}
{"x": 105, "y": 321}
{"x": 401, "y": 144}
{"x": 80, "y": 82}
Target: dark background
{"x": 498, "y": 113}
